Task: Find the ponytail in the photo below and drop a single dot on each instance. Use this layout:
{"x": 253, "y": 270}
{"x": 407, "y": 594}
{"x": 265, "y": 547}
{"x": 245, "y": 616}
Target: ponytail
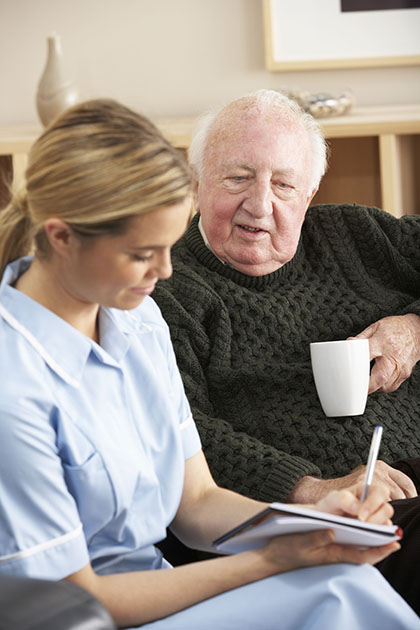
{"x": 15, "y": 230}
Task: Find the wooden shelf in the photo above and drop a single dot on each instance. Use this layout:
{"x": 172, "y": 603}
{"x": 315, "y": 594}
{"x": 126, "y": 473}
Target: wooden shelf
{"x": 373, "y": 121}
{"x": 374, "y": 154}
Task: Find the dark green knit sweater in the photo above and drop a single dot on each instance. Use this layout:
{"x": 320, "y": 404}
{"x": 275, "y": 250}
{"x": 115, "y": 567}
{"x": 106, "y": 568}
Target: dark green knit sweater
{"x": 242, "y": 345}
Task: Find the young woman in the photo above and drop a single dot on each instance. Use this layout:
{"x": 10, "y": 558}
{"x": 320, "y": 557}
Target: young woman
{"x": 99, "y": 453}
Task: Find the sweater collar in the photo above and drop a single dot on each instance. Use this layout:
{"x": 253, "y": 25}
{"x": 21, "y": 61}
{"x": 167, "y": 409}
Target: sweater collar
{"x": 205, "y": 256}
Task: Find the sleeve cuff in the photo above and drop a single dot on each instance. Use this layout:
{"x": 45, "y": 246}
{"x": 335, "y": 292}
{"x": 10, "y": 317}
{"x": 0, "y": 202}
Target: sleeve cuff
{"x": 51, "y": 560}
{"x": 191, "y": 442}
{"x": 284, "y": 477}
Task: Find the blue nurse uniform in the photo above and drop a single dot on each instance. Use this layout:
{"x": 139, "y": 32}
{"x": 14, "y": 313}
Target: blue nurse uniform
{"x": 93, "y": 440}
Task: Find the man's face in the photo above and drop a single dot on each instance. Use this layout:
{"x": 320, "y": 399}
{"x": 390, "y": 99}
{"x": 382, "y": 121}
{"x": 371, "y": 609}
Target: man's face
{"x": 255, "y": 189}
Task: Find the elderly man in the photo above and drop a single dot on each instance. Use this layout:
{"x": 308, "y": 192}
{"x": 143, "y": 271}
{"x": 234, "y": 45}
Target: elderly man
{"x": 257, "y": 277}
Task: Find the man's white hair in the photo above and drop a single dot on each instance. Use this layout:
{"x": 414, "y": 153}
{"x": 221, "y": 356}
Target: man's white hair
{"x": 265, "y": 99}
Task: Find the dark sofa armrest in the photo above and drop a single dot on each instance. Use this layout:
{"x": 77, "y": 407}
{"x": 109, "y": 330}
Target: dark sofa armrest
{"x": 29, "y": 604}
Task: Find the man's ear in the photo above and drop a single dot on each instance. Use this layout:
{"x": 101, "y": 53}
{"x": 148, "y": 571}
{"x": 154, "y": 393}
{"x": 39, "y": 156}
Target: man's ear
{"x": 311, "y": 196}
{"x": 194, "y": 188}
{"x": 60, "y": 235}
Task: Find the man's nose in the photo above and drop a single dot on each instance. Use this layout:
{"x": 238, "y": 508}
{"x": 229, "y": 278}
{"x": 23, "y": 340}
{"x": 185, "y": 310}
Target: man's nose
{"x": 259, "y": 200}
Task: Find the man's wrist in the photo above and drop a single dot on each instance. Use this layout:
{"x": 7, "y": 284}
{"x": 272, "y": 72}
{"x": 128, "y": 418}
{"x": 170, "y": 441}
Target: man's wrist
{"x": 307, "y": 490}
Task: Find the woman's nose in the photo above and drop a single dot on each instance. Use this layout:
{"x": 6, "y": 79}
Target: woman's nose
{"x": 164, "y": 267}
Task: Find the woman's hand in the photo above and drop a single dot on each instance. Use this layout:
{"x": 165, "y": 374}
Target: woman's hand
{"x": 295, "y": 551}
{"x": 318, "y": 547}
{"x": 375, "y": 509}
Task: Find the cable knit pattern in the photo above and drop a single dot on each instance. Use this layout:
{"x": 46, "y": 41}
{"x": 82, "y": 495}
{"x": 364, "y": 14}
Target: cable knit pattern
{"x": 242, "y": 345}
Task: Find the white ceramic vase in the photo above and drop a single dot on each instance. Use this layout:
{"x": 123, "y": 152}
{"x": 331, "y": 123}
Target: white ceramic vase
{"x": 55, "y": 91}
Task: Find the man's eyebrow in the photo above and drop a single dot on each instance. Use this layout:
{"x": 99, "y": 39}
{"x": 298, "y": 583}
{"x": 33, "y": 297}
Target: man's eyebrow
{"x": 239, "y": 165}
{"x": 246, "y": 167}
{"x": 288, "y": 172}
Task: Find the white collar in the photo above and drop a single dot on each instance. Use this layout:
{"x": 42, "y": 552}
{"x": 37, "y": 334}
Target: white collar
{"x": 206, "y": 240}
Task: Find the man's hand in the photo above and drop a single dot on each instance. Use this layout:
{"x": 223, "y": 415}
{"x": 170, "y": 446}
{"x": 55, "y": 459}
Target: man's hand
{"x": 394, "y": 344}
{"x": 311, "y": 490}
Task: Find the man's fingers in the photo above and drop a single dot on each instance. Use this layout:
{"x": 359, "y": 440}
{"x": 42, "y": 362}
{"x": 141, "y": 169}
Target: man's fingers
{"x": 395, "y": 348}
{"x": 383, "y": 374}
{"x": 398, "y": 491}
{"x": 367, "y": 332}
{"x": 399, "y": 484}
{"x": 404, "y": 483}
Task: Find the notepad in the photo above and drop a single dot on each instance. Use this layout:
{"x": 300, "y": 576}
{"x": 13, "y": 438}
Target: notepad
{"x": 285, "y": 518}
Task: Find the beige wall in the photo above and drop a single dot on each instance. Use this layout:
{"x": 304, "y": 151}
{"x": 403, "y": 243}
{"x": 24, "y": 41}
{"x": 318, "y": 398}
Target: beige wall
{"x": 163, "y": 57}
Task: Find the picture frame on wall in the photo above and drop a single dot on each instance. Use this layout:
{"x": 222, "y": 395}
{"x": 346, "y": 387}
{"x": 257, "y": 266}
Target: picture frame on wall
{"x": 328, "y": 34}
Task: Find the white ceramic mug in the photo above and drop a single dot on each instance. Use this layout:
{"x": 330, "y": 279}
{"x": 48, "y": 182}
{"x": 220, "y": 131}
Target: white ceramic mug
{"x": 341, "y": 372}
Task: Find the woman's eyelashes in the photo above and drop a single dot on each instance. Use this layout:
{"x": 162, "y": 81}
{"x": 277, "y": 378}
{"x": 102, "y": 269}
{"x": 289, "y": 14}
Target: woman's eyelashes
{"x": 141, "y": 257}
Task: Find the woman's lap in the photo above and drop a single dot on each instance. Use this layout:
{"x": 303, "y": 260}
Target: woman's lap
{"x": 342, "y": 596}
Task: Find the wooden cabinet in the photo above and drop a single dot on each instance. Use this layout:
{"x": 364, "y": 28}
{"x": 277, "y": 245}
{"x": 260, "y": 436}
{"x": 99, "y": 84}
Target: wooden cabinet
{"x": 374, "y": 155}
{"x": 375, "y": 158}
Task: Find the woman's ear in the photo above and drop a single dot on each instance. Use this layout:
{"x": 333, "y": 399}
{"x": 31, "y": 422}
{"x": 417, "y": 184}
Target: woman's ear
{"x": 60, "y": 236}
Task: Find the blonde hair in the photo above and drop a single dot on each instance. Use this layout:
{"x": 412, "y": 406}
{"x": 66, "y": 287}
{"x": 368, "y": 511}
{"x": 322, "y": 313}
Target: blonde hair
{"x": 265, "y": 100}
{"x": 98, "y": 165}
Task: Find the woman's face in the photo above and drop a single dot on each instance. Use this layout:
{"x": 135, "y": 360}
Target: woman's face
{"x": 119, "y": 271}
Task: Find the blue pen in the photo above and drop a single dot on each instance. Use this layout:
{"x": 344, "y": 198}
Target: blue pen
{"x": 373, "y": 456}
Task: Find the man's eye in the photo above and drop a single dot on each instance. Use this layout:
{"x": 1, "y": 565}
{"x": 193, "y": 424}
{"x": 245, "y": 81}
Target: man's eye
{"x": 237, "y": 179}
